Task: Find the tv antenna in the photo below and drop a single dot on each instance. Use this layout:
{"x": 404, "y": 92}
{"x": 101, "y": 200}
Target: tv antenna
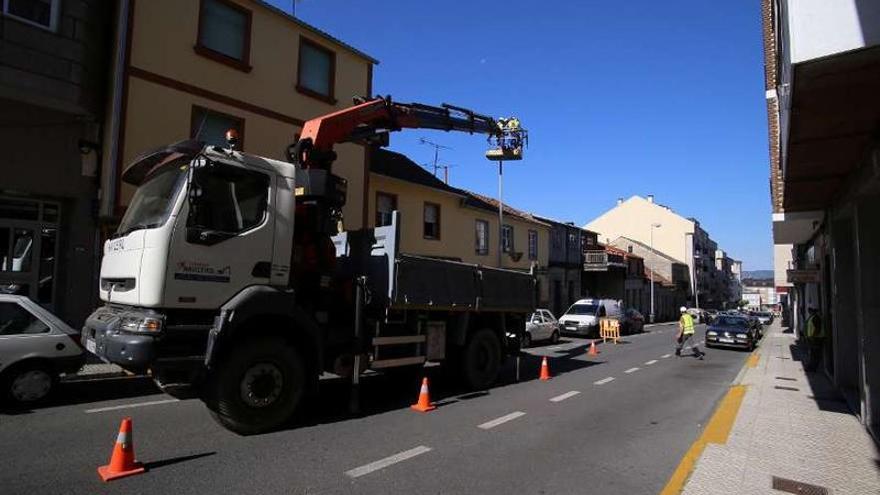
{"x": 437, "y": 148}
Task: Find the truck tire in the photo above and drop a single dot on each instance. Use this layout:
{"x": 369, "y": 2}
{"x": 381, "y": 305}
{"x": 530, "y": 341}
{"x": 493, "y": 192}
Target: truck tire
{"x": 257, "y": 387}
{"x": 481, "y": 360}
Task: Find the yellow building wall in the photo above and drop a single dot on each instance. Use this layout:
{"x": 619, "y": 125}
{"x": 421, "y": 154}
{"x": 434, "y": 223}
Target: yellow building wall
{"x": 457, "y": 226}
{"x": 158, "y": 114}
{"x": 165, "y": 32}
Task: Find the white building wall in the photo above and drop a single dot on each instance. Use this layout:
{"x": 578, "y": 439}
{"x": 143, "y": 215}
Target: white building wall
{"x": 782, "y": 261}
{"x": 819, "y": 28}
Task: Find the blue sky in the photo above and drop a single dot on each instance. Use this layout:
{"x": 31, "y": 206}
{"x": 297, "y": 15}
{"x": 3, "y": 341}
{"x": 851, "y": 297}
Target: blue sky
{"x": 620, "y": 98}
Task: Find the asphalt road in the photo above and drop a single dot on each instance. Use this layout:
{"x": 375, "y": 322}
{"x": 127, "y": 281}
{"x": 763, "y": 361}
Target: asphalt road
{"x": 618, "y": 422}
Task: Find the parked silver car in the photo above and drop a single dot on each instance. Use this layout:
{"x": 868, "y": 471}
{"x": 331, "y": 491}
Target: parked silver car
{"x": 35, "y": 349}
{"x": 542, "y": 325}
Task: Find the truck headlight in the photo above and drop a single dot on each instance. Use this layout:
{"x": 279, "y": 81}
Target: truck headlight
{"x": 742, "y": 336}
{"x": 711, "y": 332}
{"x": 141, "y": 324}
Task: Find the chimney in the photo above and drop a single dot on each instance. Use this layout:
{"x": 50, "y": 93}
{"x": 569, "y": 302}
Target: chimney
{"x": 650, "y": 198}
{"x": 619, "y": 201}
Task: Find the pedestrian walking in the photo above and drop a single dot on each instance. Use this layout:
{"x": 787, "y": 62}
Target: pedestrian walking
{"x": 686, "y": 334}
{"x": 815, "y": 340}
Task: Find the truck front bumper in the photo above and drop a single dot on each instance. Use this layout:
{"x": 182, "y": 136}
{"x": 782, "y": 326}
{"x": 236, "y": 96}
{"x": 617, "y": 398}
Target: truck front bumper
{"x": 102, "y": 336}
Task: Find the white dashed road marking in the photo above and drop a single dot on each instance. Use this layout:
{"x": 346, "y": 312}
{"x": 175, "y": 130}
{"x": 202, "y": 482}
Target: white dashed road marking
{"x": 604, "y": 381}
{"x": 649, "y": 363}
{"x": 666, "y": 356}
{"x": 388, "y": 461}
{"x": 503, "y": 419}
{"x": 632, "y": 370}
{"x": 129, "y": 406}
{"x": 564, "y": 396}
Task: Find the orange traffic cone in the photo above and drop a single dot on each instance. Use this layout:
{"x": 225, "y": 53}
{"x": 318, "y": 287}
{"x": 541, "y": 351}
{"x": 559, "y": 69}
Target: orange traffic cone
{"x": 545, "y": 369}
{"x": 122, "y": 461}
{"x": 593, "y": 350}
{"x": 424, "y": 403}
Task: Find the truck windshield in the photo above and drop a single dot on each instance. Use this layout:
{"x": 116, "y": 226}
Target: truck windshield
{"x": 583, "y": 309}
{"x": 152, "y": 202}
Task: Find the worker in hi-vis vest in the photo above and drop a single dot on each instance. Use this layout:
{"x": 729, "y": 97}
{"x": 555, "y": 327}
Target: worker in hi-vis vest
{"x": 686, "y": 333}
{"x": 815, "y": 339}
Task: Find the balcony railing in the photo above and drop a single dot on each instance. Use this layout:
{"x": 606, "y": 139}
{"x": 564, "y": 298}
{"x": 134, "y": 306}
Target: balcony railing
{"x": 600, "y": 261}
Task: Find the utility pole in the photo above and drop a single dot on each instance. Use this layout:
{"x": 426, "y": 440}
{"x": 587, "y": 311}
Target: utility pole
{"x": 500, "y": 210}
{"x": 653, "y": 264}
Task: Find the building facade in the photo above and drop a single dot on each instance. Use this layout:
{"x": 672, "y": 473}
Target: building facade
{"x": 221, "y": 64}
{"x": 53, "y": 62}
{"x": 653, "y": 224}
{"x": 564, "y": 264}
{"x": 671, "y": 278}
{"x": 441, "y": 221}
{"x": 822, "y": 67}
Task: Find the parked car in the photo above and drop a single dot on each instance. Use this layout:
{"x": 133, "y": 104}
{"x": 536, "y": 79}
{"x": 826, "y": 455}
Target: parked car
{"x": 732, "y": 331}
{"x": 35, "y": 349}
{"x": 632, "y": 322}
{"x": 582, "y": 318}
{"x": 542, "y": 325}
{"x": 765, "y": 317}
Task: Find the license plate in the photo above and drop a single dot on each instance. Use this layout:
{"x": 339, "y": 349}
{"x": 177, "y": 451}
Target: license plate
{"x": 573, "y": 329}
{"x": 725, "y": 340}
{"x": 90, "y": 346}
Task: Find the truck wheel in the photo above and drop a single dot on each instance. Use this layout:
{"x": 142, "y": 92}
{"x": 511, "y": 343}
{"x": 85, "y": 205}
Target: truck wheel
{"x": 257, "y": 387}
{"x": 481, "y": 360}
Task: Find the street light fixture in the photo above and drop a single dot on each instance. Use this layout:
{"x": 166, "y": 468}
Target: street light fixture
{"x": 653, "y": 264}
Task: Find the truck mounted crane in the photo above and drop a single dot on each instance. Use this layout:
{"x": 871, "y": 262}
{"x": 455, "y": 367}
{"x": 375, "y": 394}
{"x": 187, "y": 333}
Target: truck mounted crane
{"x": 230, "y": 279}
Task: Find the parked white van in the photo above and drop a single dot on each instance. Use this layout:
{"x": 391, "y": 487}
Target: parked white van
{"x": 582, "y": 318}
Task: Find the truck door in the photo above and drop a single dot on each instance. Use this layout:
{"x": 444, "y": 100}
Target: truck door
{"x": 223, "y": 237}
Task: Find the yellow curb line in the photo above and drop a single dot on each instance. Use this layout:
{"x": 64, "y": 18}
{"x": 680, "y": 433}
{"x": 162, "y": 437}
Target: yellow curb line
{"x": 716, "y": 431}
{"x": 752, "y": 362}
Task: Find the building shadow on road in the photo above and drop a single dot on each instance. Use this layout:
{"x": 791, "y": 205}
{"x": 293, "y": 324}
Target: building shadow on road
{"x": 86, "y": 391}
{"x": 382, "y": 393}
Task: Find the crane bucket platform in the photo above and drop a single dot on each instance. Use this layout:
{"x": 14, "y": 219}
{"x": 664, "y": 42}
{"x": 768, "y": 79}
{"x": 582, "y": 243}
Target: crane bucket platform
{"x": 509, "y": 141}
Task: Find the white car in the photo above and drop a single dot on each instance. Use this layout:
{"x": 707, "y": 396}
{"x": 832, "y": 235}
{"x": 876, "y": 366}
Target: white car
{"x": 35, "y": 349}
{"x": 542, "y": 325}
{"x": 582, "y": 318}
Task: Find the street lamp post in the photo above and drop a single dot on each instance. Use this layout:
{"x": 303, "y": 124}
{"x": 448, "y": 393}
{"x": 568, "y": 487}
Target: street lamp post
{"x": 500, "y": 210}
{"x": 653, "y": 264}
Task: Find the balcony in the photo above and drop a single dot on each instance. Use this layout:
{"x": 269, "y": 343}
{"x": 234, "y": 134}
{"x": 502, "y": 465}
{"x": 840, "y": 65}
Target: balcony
{"x": 601, "y": 261}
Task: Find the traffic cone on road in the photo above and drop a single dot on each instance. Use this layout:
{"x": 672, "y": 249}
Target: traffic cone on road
{"x": 122, "y": 462}
{"x": 424, "y": 403}
{"x": 545, "y": 369}
{"x": 593, "y": 350}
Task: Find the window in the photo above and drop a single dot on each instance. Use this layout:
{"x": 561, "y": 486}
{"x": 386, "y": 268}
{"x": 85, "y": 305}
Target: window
{"x": 15, "y": 320}
{"x": 481, "y": 228}
{"x": 210, "y": 127}
{"x": 316, "y": 71}
{"x": 533, "y": 245}
{"x": 42, "y": 13}
{"x": 385, "y": 206}
{"x": 507, "y": 239}
{"x": 431, "y": 220}
{"x": 225, "y": 33}
{"x": 557, "y": 239}
{"x": 232, "y": 200}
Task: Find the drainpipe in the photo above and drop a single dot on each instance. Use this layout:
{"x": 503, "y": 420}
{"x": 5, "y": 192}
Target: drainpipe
{"x": 109, "y": 181}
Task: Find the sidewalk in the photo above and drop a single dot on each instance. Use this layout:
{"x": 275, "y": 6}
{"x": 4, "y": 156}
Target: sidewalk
{"x": 790, "y": 425}
{"x": 95, "y": 371}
